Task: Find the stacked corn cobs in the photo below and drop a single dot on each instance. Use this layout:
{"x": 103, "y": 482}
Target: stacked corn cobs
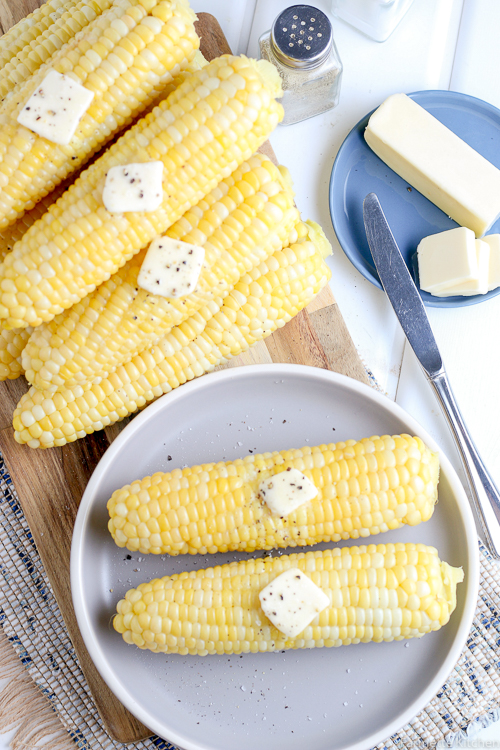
{"x": 94, "y": 346}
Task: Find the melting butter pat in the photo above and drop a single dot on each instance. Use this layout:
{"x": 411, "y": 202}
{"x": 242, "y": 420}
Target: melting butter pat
{"x": 438, "y": 163}
{"x": 134, "y": 187}
{"x": 292, "y": 601}
{"x": 493, "y": 241}
{"x": 56, "y": 107}
{"x": 284, "y": 492}
{"x": 171, "y": 268}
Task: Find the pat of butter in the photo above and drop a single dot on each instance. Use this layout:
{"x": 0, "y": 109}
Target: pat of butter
{"x": 56, "y": 107}
{"x": 479, "y": 285}
{"x": 171, "y": 268}
{"x": 292, "y": 601}
{"x": 493, "y": 241}
{"x": 134, "y": 187}
{"x": 438, "y": 163}
{"x": 284, "y": 492}
{"x": 446, "y": 259}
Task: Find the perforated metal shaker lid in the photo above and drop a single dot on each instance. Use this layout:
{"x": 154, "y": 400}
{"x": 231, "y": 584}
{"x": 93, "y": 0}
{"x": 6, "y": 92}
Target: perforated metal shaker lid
{"x": 301, "y": 36}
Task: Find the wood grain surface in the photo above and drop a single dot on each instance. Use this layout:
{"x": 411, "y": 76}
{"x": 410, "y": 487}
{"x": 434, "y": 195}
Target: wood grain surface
{"x": 50, "y": 483}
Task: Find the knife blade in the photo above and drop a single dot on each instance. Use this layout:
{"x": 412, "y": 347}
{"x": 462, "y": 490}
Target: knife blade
{"x": 409, "y": 308}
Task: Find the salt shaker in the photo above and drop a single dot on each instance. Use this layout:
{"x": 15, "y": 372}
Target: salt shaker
{"x": 301, "y": 45}
{"x": 375, "y": 18}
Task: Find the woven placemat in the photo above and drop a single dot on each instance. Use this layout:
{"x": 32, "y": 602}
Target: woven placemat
{"x": 31, "y": 620}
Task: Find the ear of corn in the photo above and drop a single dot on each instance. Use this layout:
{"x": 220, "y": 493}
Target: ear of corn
{"x": 364, "y": 487}
{"x": 63, "y": 26}
{"x": 12, "y": 344}
{"x": 241, "y": 222}
{"x": 262, "y": 301}
{"x": 208, "y": 126}
{"x": 122, "y": 56}
{"x": 381, "y": 592}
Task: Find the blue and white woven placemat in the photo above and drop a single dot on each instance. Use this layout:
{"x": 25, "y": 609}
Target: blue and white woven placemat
{"x": 30, "y": 617}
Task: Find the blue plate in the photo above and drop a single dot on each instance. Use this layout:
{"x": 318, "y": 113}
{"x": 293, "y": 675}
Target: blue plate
{"x": 357, "y": 171}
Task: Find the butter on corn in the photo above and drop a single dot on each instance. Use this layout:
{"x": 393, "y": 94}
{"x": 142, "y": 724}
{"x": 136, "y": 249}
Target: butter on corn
{"x": 56, "y": 107}
{"x": 286, "y": 491}
{"x": 383, "y": 592}
{"x": 241, "y": 222}
{"x": 262, "y": 301}
{"x": 291, "y": 601}
{"x": 208, "y": 126}
{"x": 364, "y": 487}
{"x": 134, "y": 187}
{"x": 171, "y": 268}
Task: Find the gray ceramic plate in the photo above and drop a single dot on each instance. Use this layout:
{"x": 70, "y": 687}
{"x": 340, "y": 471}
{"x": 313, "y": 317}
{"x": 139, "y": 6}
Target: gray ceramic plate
{"x": 319, "y": 699}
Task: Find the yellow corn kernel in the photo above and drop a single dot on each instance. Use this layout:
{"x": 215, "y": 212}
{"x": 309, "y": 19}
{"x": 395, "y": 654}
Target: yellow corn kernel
{"x": 227, "y": 616}
{"x": 119, "y": 319}
{"x": 197, "y": 346}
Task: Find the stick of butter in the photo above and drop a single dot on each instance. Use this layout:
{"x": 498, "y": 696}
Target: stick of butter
{"x": 438, "y": 163}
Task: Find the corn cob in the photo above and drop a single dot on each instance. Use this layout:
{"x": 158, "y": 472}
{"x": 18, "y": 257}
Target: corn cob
{"x": 240, "y": 223}
{"x": 364, "y": 487}
{"x": 12, "y": 344}
{"x": 383, "y": 592}
{"x": 261, "y": 302}
{"x": 122, "y": 57}
{"x": 28, "y": 28}
{"x": 208, "y": 126}
{"x": 62, "y": 26}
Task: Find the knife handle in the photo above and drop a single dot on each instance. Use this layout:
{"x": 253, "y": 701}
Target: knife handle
{"x": 485, "y": 494}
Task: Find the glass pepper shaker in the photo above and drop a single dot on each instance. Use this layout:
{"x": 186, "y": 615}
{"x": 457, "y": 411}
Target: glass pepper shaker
{"x": 301, "y": 45}
{"x": 375, "y": 18}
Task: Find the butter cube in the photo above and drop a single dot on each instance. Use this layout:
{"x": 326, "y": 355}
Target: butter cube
{"x": 446, "y": 259}
{"x": 438, "y": 163}
{"x": 171, "y": 268}
{"x": 56, "y": 107}
{"x": 493, "y": 241}
{"x": 134, "y": 187}
{"x": 286, "y": 491}
{"x": 479, "y": 285}
{"x": 291, "y": 601}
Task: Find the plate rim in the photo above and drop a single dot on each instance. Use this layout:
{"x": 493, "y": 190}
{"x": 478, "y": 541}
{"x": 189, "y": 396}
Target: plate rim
{"x": 86, "y": 504}
{"x": 357, "y": 260}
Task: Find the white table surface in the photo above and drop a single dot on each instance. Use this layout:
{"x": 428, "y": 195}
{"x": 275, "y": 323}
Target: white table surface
{"x": 440, "y": 44}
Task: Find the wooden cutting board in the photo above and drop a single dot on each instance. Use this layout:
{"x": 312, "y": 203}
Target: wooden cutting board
{"x": 50, "y": 483}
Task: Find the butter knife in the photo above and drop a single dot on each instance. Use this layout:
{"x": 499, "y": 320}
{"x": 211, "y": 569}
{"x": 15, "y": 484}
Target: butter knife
{"x": 410, "y": 310}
